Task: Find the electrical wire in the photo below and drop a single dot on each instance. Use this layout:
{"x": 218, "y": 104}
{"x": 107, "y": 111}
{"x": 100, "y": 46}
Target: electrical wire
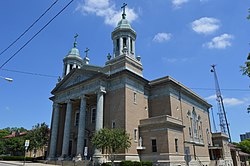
{"x": 30, "y": 73}
{"x": 29, "y": 27}
{"x": 227, "y": 89}
{"x": 35, "y": 34}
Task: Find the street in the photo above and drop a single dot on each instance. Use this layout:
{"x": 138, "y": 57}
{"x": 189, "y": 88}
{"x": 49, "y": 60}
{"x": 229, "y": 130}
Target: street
{"x": 19, "y": 163}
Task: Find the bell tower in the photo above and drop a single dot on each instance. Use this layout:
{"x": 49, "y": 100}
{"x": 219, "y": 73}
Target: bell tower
{"x": 124, "y": 56}
{"x": 124, "y": 37}
{"x": 72, "y": 60}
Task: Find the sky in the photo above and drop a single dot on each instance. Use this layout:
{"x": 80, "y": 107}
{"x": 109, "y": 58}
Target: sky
{"x": 177, "y": 38}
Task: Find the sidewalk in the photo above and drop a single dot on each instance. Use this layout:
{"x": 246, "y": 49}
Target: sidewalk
{"x": 21, "y": 163}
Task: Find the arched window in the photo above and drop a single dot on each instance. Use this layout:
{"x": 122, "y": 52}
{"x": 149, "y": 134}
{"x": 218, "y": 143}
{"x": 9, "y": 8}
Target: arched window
{"x": 208, "y": 139}
{"x": 194, "y": 122}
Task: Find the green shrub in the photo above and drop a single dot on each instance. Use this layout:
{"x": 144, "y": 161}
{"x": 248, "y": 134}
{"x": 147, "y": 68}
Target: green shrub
{"x": 146, "y": 163}
{"x": 105, "y": 164}
{"x": 126, "y": 163}
{"x": 15, "y": 158}
{"x": 136, "y": 163}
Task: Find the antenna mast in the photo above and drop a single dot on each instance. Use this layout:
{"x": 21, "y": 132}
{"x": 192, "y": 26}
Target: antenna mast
{"x": 221, "y": 109}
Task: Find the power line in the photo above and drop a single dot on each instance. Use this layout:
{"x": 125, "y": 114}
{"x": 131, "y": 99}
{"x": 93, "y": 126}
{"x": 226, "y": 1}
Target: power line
{"x": 227, "y": 89}
{"x": 35, "y": 34}
{"x": 30, "y": 73}
{"x": 29, "y": 27}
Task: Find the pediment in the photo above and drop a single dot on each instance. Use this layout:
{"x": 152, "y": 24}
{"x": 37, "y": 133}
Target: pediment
{"x": 73, "y": 78}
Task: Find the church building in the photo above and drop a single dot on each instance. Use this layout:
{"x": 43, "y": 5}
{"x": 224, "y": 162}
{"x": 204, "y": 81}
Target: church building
{"x": 168, "y": 123}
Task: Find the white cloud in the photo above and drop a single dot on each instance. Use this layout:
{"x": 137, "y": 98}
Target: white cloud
{"x": 105, "y": 9}
{"x": 178, "y": 3}
{"x": 227, "y": 101}
{"x": 232, "y": 101}
{"x": 161, "y": 37}
{"x": 205, "y": 25}
{"x": 219, "y": 42}
{"x": 212, "y": 97}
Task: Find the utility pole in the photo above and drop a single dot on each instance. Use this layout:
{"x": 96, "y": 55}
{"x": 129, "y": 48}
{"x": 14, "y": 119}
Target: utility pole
{"x": 221, "y": 109}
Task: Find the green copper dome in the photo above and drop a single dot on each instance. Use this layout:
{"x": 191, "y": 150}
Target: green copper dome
{"x": 123, "y": 23}
{"x": 74, "y": 51}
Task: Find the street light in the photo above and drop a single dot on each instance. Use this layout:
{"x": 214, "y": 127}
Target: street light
{"x": 7, "y": 79}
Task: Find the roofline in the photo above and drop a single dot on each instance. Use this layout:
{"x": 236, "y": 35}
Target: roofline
{"x": 70, "y": 74}
{"x": 172, "y": 80}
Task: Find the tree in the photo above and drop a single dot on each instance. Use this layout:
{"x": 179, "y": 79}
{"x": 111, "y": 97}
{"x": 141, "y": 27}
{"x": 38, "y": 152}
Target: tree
{"x": 38, "y": 136}
{"x": 245, "y": 146}
{"x": 111, "y": 141}
{"x": 13, "y": 145}
{"x": 246, "y": 68}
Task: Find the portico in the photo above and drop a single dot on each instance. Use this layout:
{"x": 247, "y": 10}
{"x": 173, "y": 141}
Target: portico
{"x": 70, "y": 117}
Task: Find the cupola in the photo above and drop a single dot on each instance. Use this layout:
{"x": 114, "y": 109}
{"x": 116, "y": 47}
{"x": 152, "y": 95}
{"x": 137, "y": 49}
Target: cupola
{"x": 124, "y": 37}
{"x": 73, "y": 59}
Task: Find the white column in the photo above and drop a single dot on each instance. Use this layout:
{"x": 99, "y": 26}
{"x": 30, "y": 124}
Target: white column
{"x": 121, "y": 45}
{"x": 133, "y": 43}
{"x": 68, "y": 69}
{"x": 74, "y": 66}
{"x": 99, "y": 118}
{"x": 99, "y": 109}
{"x": 81, "y": 128}
{"x": 66, "y": 135}
{"x": 54, "y": 132}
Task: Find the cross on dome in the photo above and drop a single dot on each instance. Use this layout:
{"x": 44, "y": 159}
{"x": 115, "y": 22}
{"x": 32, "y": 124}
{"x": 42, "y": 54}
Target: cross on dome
{"x": 86, "y": 51}
{"x": 75, "y": 43}
{"x": 123, "y": 7}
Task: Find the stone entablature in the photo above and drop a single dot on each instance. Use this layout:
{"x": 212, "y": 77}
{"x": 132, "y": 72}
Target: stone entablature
{"x": 161, "y": 119}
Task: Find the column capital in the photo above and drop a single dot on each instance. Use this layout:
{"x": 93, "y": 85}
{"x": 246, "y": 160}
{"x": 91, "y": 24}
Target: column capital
{"x": 83, "y": 96}
{"x": 69, "y": 101}
{"x": 101, "y": 89}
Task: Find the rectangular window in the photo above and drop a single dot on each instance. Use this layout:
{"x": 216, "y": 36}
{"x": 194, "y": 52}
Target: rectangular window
{"x": 85, "y": 142}
{"x": 77, "y": 118}
{"x": 124, "y": 42}
{"x": 131, "y": 45}
{"x": 93, "y": 115}
{"x": 117, "y": 44}
{"x": 176, "y": 145}
{"x": 71, "y": 66}
{"x": 154, "y": 146}
{"x": 135, "y": 134}
{"x": 134, "y": 97}
{"x": 113, "y": 124}
{"x": 190, "y": 132}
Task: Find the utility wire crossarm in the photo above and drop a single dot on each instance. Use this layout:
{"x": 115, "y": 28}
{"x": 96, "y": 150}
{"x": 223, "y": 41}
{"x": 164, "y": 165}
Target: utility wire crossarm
{"x": 221, "y": 109}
